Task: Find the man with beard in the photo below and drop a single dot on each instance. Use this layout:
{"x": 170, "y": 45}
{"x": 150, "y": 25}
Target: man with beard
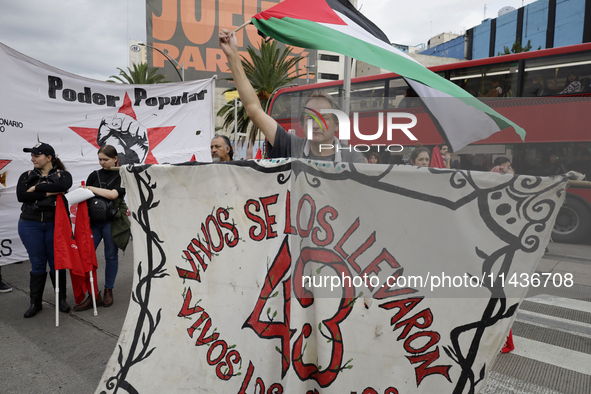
{"x": 221, "y": 149}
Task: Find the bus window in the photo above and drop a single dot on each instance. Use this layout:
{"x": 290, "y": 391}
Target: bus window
{"x": 560, "y": 74}
{"x": 289, "y": 104}
{"x": 537, "y": 159}
{"x": 367, "y": 96}
{"x": 552, "y": 158}
{"x": 283, "y": 106}
{"x": 493, "y": 80}
{"x": 402, "y": 96}
{"x": 332, "y": 91}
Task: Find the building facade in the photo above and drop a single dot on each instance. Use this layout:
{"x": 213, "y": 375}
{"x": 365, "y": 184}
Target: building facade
{"x": 544, "y": 23}
{"x": 137, "y": 53}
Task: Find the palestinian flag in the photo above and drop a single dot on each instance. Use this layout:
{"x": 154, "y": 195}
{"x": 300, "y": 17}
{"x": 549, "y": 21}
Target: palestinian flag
{"x": 335, "y": 25}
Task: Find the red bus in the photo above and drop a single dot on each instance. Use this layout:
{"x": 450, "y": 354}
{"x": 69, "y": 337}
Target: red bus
{"x": 547, "y": 92}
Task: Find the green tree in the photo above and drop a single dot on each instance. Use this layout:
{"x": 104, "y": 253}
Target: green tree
{"x": 267, "y": 72}
{"x": 516, "y": 48}
{"x": 140, "y": 75}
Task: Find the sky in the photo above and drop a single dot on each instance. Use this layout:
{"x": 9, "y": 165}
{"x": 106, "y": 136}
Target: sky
{"x": 90, "y": 37}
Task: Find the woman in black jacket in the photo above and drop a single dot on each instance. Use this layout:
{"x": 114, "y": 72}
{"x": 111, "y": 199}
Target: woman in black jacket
{"x": 106, "y": 184}
{"x": 37, "y": 190}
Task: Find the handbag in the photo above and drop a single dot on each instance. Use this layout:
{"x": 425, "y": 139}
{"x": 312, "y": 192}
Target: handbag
{"x": 100, "y": 208}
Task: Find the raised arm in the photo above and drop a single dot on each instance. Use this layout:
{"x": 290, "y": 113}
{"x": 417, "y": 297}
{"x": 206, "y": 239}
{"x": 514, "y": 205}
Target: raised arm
{"x": 248, "y": 96}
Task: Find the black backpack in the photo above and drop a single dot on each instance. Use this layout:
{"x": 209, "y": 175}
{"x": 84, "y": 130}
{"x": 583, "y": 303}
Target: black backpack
{"x": 101, "y": 209}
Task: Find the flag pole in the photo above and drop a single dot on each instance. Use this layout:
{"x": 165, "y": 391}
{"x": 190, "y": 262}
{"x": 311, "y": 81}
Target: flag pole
{"x": 93, "y": 293}
{"x": 242, "y": 26}
{"x": 576, "y": 183}
{"x": 57, "y": 298}
{"x": 346, "y": 85}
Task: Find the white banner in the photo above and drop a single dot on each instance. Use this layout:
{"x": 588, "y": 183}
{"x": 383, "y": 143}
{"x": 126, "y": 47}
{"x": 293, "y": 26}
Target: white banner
{"x": 309, "y": 277}
{"x": 146, "y": 123}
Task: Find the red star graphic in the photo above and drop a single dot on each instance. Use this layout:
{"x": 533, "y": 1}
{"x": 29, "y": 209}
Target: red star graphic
{"x": 3, "y": 163}
{"x": 155, "y": 134}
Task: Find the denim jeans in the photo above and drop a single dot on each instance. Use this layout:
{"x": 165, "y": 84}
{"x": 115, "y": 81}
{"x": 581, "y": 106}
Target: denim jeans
{"x": 38, "y": 240}
{"x": 102, "y": 231}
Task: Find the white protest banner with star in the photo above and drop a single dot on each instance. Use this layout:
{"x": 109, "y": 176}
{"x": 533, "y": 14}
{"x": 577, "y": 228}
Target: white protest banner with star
{"x": 295, "y": 276}
{"x": 161, "y": 123}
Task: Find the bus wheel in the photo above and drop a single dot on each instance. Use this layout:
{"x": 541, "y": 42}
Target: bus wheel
{"x": 573, "y": 222}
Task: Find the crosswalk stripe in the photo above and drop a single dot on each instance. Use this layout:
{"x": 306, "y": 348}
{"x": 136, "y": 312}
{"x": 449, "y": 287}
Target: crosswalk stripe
{"x": 562, "y": 302}
{"x": 556, "y": 323}
{"x": 538, "y": 323}
{"x": 499, "y": 384}
{"x": 553, "y": 355}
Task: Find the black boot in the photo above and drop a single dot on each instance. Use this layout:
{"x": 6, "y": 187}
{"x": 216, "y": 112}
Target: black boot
{"x": 63, "y": 305}
{"x": 4, "y": 288}
{"x": 37, "y": 286}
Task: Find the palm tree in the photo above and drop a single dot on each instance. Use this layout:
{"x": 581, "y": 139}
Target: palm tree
{"x": 267, "y": 72}
{"x": 140, "y": 75}
{"x": 516, "y": 48}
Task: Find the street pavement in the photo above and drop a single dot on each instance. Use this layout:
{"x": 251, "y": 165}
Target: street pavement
{"x": 38, "y": 357}
{"x": 552, "y": 334}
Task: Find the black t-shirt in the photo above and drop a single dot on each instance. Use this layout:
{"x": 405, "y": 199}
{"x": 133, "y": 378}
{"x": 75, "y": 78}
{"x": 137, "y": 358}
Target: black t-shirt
{"x": 108, "y": 180}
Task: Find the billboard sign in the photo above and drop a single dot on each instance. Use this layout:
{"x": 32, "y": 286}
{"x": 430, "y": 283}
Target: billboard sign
{"x": 187, "y": 30}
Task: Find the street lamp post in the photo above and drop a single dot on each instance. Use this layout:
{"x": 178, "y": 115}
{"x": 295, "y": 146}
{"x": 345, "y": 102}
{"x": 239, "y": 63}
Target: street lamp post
{"x": 171, "y": 60}
{"x": 308, "y": 67}
{"x": 308, "y": 73}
